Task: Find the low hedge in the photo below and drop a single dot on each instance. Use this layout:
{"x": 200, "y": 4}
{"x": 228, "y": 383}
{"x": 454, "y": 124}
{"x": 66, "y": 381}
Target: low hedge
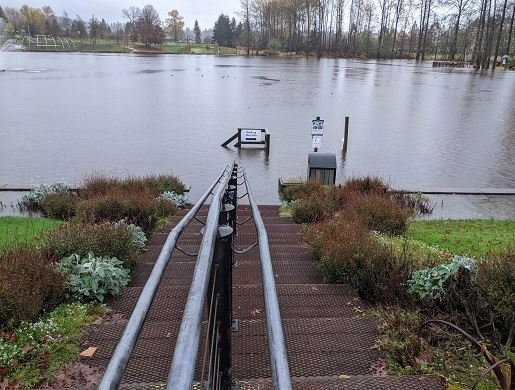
{"x": 105, "y": 239}
{"x": 29, "y": 285}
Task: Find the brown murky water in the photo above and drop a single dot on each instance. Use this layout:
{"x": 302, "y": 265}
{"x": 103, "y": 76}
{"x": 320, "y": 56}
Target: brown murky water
{"x": 66, "y": 115}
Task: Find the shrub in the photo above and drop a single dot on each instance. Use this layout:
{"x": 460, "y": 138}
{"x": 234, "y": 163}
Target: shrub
{"x": 156, "y": 185}
{"x": 29, "y": 285}
{"x": 59, "y": 206}
{"x": 106, "y": 239}
{"x": 138, "y": 235}
{"x": 140, "y": 208}
{"x": 164, "y": 183}
{"x": 300, "y": 191}
{"x": 379, "y": 213}
{"x": 313, "y": 207}
{"x": 419, "y": 203}
{"x": 180, "y": 201}
{"x": 33, "y": 200}
{"x": 93, "y": 277}
{"x": 496, "y": 284}
{"x": 366, "y": 185}
{"x": 308, "y": 211}
{"x": 349, "y": 254}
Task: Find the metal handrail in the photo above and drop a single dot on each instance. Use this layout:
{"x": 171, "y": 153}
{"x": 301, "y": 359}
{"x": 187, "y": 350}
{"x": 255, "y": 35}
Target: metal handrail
{"x": 276, "y": 345}
{"x": 186, "y": 347}
{"x": 118, "y": 363}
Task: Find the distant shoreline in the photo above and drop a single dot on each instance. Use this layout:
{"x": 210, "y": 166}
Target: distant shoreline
{"x": 198, "y": 49}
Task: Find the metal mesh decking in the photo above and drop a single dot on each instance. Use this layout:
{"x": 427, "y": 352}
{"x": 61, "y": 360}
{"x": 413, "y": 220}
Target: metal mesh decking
{"x": 325, "y": 331}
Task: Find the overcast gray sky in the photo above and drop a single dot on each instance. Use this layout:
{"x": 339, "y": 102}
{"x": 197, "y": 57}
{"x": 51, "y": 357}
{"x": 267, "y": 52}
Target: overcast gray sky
{"x": 205, "y": 11}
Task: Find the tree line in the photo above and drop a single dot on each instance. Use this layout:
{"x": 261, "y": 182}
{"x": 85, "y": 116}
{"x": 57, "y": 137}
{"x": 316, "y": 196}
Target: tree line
{"x": 465, "y": 30}
{"x": 445, "y": 29}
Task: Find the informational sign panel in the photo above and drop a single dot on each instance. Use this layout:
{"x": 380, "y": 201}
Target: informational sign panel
{"x": 251, "y": 136}
{"x": 317, "y": 142}
{"x": 317, "y": 128}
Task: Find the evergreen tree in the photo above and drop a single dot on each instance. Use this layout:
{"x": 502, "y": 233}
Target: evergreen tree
{"x": 196, "y": 30}
{"x": 222, "y": 32}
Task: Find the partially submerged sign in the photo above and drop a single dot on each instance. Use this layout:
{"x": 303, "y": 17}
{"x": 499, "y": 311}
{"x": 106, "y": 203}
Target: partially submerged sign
{"x": 251, "y": 136}
{"x": 248, "y": 136}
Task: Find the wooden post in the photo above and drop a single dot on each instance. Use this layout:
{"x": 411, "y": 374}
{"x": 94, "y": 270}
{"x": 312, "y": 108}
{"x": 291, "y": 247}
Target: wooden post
{"x": 238, "y": 144}
{"x": 346, "y": 134}
{"x": 267, "y": 143}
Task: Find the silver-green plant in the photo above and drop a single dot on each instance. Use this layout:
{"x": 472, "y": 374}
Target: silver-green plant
{"x": 429, "y": 283}
{"x": 93, "y": 278}
{"x": 181, "y": 201}
{"x": 139, "y": 239}
{"x": 34, "y": 199}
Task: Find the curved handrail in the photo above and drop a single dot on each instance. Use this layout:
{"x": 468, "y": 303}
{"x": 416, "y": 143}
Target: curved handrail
{"x": 182, "y": 369}
{"x": 276, "y": 345}
{"x": 118, "y": 363}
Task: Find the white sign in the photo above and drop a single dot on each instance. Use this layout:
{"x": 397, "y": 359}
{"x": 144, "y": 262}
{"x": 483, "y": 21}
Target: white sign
{"x": 317, "y": 142}
{"x": 253, "y": 136}
{"x": 318, "y": 127}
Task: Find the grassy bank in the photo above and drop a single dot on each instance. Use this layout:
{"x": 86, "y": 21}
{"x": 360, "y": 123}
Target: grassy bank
{"x": 471, "y": 238}
{"x": 16, "y": 231}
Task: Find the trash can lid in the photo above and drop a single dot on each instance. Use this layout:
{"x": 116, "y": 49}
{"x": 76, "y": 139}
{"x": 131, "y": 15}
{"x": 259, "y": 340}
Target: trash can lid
{"x": 322, "y": 160}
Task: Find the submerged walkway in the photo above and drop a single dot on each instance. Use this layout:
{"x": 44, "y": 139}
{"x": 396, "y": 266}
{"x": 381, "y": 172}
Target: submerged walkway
{"x": 329, "y": 341}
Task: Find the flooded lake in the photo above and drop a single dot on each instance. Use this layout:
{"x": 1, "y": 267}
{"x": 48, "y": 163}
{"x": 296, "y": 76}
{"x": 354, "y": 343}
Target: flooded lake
{"x": 63, "y": 116}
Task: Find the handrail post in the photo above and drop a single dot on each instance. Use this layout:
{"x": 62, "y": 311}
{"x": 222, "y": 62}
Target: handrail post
{"x": 232, "y": 197}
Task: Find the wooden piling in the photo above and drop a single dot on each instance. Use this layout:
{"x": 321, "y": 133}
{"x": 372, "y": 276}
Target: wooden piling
{"x": 345, "y": 134}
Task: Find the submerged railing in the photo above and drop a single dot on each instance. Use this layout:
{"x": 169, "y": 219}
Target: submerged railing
{"x": 211, "y": 288}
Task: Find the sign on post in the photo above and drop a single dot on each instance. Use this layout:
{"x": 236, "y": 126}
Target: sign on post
{"x": 317, "y": 128}
{"x": 251, "y": 136}
{"x": 317, "y": 131}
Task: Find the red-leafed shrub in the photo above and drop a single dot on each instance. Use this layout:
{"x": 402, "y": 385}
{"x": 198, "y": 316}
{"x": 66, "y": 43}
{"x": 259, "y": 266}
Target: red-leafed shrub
{"x": 58, "y": 206}
{"x": 103, "y": 185}
{"x": 378, "y": 212}
{"x": 349, "y": 254}
{"x": 366, "y": 185}
{"x": 140, "y": 208}
{"x": 302, "y": 190}
{"x": 313, "y": 207}
{"x": 106, "y": 239}
{"x": 29, "y": 285}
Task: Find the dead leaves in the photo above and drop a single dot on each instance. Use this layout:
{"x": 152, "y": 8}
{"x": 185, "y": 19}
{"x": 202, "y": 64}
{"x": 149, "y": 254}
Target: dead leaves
{"x": 89, "y": 352}
{"x": 6, "y": 385}
{"x": 76, "y": 376}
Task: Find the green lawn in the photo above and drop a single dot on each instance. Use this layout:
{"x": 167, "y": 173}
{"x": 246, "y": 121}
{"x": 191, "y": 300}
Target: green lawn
{"x": 472, "y": 238}
{"x": 22, "y": 230}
